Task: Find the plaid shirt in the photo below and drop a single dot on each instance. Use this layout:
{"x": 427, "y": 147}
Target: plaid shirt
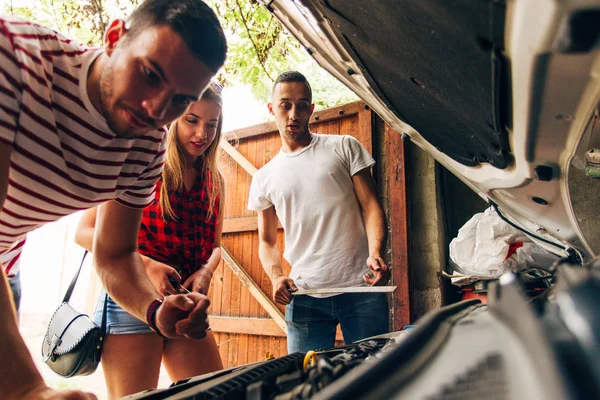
{"x": 185, "y": 243}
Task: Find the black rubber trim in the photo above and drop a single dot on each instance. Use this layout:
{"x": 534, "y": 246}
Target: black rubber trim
{"x": 541, "y": 239}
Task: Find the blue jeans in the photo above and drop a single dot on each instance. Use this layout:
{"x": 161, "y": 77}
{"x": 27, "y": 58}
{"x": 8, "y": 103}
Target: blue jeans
{"x": 312, "y": 321}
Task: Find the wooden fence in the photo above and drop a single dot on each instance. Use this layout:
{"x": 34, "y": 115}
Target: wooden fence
{"x": 247, "y": 324}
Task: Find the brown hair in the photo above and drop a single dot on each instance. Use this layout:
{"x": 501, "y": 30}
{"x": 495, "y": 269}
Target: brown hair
{"x": 292, "y": 76}
{"x": 193, "y": 20}
{"x": 206, "y": 164}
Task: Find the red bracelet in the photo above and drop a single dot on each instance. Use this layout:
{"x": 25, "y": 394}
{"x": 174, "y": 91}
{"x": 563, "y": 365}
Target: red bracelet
{"x": 151, "y": 315}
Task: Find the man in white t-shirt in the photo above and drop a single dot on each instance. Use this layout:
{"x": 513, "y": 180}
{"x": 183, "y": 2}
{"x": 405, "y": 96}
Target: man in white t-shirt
{"x": 81, "y": 127}
{"x": 321, "y": 190}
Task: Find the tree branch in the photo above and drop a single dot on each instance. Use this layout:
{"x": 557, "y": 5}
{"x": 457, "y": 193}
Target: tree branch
{"x": 260, "y": 61}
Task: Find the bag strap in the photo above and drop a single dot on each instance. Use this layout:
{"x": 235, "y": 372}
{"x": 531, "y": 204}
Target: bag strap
{"x": 74, "y": 280}
{"x": 103, "y": 324}
{"x": 72, "y": 286}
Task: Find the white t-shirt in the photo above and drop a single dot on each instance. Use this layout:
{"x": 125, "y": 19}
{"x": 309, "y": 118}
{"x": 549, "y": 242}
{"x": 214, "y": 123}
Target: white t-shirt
{"x": 314, "y": 198}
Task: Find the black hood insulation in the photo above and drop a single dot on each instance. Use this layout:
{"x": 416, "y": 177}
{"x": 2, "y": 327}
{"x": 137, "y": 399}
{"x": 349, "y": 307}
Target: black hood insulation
{"x": 438, "y": 65}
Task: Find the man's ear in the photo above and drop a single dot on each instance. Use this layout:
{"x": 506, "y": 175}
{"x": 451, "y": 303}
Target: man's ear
{"x": 270, "y": 107}
{"x": 114, "y": 33}
{"x": 312, "y": 108}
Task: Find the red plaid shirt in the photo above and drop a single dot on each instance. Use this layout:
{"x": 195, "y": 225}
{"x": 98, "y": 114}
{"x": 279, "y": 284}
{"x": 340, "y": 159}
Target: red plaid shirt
{"x": 185, "y": 243}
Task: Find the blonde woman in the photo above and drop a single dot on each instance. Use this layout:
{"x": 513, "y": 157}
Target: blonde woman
{"x": 179, "y": 243}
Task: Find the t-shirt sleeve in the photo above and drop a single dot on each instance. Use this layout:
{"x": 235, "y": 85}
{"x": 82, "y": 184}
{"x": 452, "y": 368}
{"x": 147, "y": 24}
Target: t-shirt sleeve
{"x": 258, "y": 199}
{"x": 141, "y": 193}
{"x": 10, "y": 92}
{"x": 357, "y": 156}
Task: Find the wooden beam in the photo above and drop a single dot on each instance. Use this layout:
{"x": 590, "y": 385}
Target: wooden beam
{"x": 242, "y": 224}
{"x": 254, "y": 289}
{"x": 395, "y": 181}
{"x": 247, "y": 326}
{"x": 238, "y": 157}
{"x": 251, "y": 326}
{"x": 336, "y": 113}
{"x": 319, "y": 117}
{"x": 365, "y": 127}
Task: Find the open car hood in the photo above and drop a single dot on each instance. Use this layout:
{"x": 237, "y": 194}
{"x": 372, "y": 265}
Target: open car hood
{"x": 504, "y": 94}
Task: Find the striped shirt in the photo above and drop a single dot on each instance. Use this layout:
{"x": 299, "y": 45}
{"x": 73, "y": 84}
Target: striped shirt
{"x": 64, "y": 157}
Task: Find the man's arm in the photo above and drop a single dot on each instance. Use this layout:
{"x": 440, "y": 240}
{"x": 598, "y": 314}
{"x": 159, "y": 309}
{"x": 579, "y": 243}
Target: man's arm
{"x": 84, "y": 235}
{"x": 117, "y": 262}
{"x": 122, "y": 273}
{"x": 19, "y": 379}
{"x": 270, "y": 257}
{"x": 21, "y": 371}
{"x": 158, "y": 272}
{"x": 375, "y": 226}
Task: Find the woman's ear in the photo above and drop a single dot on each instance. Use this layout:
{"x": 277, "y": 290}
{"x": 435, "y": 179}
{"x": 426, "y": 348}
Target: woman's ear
{"x": 114, "y": 33}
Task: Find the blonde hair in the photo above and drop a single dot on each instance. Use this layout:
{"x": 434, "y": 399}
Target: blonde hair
{"x": 206, "y": 164}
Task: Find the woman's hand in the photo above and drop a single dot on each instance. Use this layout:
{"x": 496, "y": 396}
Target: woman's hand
{"x": 199, "y": 281}
{"x": 159, "y": 274}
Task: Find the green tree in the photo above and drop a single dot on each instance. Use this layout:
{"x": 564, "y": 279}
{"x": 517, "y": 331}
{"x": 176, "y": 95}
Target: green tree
{"x": 259, "y": 47}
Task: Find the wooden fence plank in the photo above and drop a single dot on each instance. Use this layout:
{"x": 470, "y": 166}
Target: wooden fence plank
{"x": 228, "y": 278}
{"x": 248, "y": 326}
{"x": 242, "y": 224}
{"x": 365, "y": 127}
{"x": 256, "y": 272}
{"x": 246, "y": 260}
{"x": 238, "y": 157}
{"x": 254, "y": 289}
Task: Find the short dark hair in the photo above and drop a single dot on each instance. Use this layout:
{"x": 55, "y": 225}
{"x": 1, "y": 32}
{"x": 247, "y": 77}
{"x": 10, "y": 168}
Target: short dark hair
{"x": 193, "y": 20}
{"x": 292, "y": 76}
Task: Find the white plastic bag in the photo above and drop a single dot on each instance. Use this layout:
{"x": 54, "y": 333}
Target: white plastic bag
{"x": 483, "y": 244}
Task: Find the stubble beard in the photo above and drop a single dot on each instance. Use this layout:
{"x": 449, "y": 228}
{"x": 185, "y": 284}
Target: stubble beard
{"x": 301, "y": 135}
{"x": 107, "y": 80}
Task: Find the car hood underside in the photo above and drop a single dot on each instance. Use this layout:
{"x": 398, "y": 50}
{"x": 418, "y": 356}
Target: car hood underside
{"x": 504, "y": 94}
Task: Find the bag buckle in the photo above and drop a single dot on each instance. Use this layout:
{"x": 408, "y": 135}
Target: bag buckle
{"x": 54, "y": 343}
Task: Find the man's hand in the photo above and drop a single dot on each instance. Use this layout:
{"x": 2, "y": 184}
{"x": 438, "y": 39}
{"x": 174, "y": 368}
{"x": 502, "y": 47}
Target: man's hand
{"x": 159, "y": 274}
{"x": 282, "y": 289}
{"x": 42, "y": 392}
{"x": 381, "y": 272}
{"x": 183, "y": 315}
{"x": 199, "y": 281}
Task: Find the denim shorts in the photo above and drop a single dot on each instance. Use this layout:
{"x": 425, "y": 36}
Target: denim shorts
{"x": 15, "y": 286}
{"x": 118, "y": 321}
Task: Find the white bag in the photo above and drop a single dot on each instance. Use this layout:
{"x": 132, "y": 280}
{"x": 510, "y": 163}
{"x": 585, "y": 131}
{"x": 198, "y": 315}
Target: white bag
{"x": 483, "y": 244}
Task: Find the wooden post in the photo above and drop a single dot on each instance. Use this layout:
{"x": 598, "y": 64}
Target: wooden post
{"x": 395, "y": 182}
{"x": 254, "y": 289}
{"x": 365, "y": 126}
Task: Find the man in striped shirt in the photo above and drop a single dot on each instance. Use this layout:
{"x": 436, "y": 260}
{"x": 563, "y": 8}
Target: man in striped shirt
{"x": 80, "y": 127}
